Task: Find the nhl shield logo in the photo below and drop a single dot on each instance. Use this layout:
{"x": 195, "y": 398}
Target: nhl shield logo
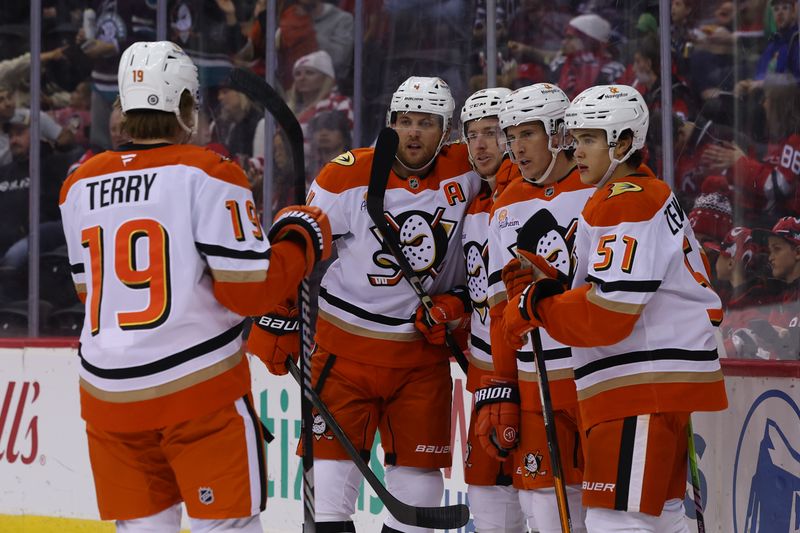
{"x": 413, "y": 182}
{"x": 206, "y": 495}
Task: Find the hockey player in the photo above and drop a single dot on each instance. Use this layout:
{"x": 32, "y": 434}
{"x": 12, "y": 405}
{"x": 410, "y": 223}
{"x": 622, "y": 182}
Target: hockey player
{"x": 169, "y": 256}
{"x": 640, "y": 317}
{"x": 541, "y": 211}
{"x": 492, "y": 500}
{"x": 372, "y": 367}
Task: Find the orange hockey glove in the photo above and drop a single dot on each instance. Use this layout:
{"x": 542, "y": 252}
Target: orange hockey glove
{"x": 308, "y": 226}
{"x": 274, "y": 337}
{"x": 519, "y": 316}
{"x": 451, "y": 309}
{"x": 497, "y": 408}
{"x": 521, "y": 272}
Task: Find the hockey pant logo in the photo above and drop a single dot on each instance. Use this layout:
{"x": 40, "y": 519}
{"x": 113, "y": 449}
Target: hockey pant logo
{"x": 532, "y": 465}
{"x": 320, "y": 428}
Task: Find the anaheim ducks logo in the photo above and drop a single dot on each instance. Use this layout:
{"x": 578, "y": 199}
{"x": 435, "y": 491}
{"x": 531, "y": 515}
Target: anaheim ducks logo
{"x": 621, "y": 187}
{"x": 477, "y": 257}
{"x": 467, "y": 462}
{"x": 542, "y": 235}
{"x": 320, "y": 428}
{"x": 613, "y": 90}
{"x": 424, "y": 238}
{"x": 346, "y": 159}
{"x": 532, "y": 465}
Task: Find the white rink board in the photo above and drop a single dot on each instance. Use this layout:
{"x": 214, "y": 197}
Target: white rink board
{"x": 745, "y": 452}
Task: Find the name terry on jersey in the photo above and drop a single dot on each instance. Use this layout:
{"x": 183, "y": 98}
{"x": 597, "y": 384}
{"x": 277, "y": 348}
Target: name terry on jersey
{"x": 120, "y": 189}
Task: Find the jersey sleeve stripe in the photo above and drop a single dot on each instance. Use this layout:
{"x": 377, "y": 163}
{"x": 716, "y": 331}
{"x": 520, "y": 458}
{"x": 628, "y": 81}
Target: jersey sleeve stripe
{"x": 165, "y": 363}
{"x": 221, "y": 251}
{"x": 237, "y": 276}
{"x": 361, "y": 313}
{"x": 495, "y": 277}
{"x": 624, "y": 286}
{"x": 77, "y": 268}
{"x": 674, "y": 379}
{"x": 616, "y": 307}
{"x": 480, "y": 344}
{"x": 645, "y": 356}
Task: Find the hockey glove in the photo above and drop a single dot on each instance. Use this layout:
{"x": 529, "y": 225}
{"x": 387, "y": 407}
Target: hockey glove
{"x": 306, "y": 225}
{"x": 519, "y": 316}
{"x": 274, "y": 337}
{"x": 497, "y": 409}
{"x": 521, "y": 272}
{"x": 451, "y": 309}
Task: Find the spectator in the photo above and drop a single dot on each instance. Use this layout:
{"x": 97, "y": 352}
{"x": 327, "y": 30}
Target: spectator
{"x": 118, "y": 25}
{"x": 782, "y": 53}
{"x": 781, "y": 336}
{"x": 236, "y": 122}
{"x": 646, "y": 72}
{"x": 315, "y": 91}
{"x": 329, "y": 132}
{"x": 585, "y": 60}
{"x": 711, "y": 217}
{"x": 334, "y": 30}
{"x": 682, "y": 16}
{"x": 768, "y": 183}
{"x": 115, "y": 133}
{"x": 208, "y": 30}
{"x": 743, "y": 291}
{"x": 77, "y": 116}
{"x": 14, "y": 188}
{"x": 49, "y": 129}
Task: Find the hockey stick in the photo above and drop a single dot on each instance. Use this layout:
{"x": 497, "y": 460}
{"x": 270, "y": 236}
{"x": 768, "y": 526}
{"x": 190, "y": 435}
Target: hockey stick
{"x": 549, "y": 421}
{"x": 385, "y": 151}
{"x": 550, "y": 432}
{"x": 258, "y": 90}
{"x": 449, "y": 517}
{"x": 698, "y": 495}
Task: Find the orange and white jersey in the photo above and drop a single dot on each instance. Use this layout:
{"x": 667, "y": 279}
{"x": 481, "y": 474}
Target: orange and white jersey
{"x": 165, "y": 245}
{"x": 366, "y": 307}
{"x": 547, "y": 217}
{"x": 475, "y": 243}
{"x": 641, "y": 314}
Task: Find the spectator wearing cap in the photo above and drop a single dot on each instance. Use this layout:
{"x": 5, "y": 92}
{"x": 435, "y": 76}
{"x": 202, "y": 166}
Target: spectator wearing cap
{"x": 584, "y": 60}
{"x": 314, "y": 92}
{"x": 710, "y": 218}
{"x": 745, "y": 293}
{"x": 783, "y": 241}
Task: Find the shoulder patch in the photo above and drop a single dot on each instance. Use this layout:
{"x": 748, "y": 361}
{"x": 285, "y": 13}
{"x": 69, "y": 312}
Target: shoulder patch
{"x": 346, "y": 159}
{"x": 622, "y": 187}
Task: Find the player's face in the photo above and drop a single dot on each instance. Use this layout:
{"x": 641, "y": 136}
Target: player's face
{"x": 783, "y": 257}
{"x": 420, "y": 134}
{"x": 528, "y": 146}
{"x": 486, "y": 153}
{"x": 591, "y": 154}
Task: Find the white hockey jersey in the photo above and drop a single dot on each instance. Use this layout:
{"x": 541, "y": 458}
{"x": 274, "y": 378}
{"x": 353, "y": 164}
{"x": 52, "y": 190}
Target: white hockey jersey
{"x": 168, "y": 253}
{"x": 545, "y": 217}
{"x": 641, "y": 314}
{"x": 366, "y": 307}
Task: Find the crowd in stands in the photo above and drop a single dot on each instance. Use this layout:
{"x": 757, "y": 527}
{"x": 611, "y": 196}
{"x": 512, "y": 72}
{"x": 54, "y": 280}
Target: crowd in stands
{"x": 735, "y": 112}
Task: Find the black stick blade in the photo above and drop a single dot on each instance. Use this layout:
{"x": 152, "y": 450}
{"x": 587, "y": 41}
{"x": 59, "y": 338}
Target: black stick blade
{"x": 450, "y": 517}
{"x": 383, "y": 159}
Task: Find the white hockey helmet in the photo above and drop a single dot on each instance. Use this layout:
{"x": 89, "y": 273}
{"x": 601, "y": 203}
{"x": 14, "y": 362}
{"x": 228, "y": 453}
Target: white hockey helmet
{"x": 484, "y": 103}
{"x": 540, "y": 102}
{"x": 614, "y": 109}
{"x": 153, "y": 75}
{"x": 423, "y": 95}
